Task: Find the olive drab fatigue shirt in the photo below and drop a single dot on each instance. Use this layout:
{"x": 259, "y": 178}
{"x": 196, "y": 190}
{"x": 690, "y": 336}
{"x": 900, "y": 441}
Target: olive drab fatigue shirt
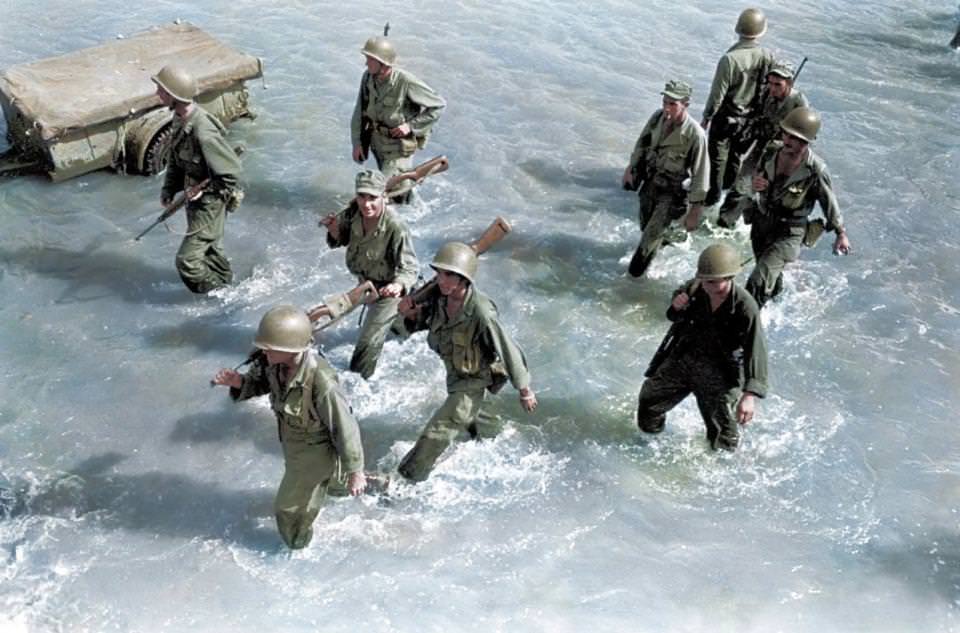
{"x": 199, "y": 150}
{"x": 383, "y": 256}
{"x": 473, "y": 345}
{"x": 400, "y": 98}
{"x": 310, "y": 407}
{"x": 673, "y": 158}
{"x": 731, "y": 336}
{"x": 772, "y": 112}
{"x": 736, "y": 81}
{"x": 791, "y": 199}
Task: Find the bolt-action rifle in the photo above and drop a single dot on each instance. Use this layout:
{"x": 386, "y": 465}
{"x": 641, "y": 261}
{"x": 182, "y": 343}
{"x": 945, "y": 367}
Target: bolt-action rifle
{"x": 174, "y": 206}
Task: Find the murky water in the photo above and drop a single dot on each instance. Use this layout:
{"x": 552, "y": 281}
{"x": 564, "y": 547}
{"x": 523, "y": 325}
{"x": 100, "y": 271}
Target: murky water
{"x": 135, "y": 498}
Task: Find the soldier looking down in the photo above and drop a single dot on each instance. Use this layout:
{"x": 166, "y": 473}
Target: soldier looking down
{"x": 199, "y": 153}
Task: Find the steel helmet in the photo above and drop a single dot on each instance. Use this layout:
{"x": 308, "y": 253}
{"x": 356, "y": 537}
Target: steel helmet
{"x": 751, "y": 23}
{"x": 718, "y": 261}
{"x": 381, "y": 50}
{"x": 802, "y": 122}
{"x": 284, "y": 328}
{"x": 178, "y": 82}
{"x": 456, "y": 257}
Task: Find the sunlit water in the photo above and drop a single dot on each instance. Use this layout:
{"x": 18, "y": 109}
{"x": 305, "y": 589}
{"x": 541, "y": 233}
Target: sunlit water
{"x": 135, "y": 498}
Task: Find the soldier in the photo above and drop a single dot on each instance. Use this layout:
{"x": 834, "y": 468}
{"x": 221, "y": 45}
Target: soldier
{"x": 734, "y": 95}
{"x": 478, "y": 354}
{"x": 393, "y": 114}
{"x": 715, "y": 349}
{"x": 379, "y": 249}
{"x": 671, "y": 148}
{"x": 199, "y": 152}
{"x": 317, "y": 429}
{"x": 788, "y": 181}
{"x": 778, "y": 99}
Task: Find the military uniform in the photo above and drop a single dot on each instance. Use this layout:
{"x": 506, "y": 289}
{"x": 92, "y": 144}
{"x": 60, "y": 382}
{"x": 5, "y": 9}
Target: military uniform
{"x": 779, "y": 215}
{"x": 479, "y": 356}
{"x": 383, "y": 256}
{"x": 734, "y": 95}
{"x": 386, "y": 104}
{"x": 660, "y": 162}
{"x": 198, "y": 150}
{"x": 763, "y": 128}
{"x": 715, "y": 355}
{"x": 318, "y": 433}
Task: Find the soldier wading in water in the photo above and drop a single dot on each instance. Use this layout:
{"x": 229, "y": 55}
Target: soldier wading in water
{"x": 199, "y": 152}
{"x": 317, "y": 429}
{"x": 715, "y": 350}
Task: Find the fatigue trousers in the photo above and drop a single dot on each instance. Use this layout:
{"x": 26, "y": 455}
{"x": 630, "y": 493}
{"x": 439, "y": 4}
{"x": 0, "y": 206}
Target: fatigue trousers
{"x": 775, "y": 244}
{"x": 308, "y": 469}
{"x": 740, "y": 192}
{"x": 391, "y": 161}
{"x": 377, "y": 319}
{"x": 658, "y": 208}
{"x": 201, "y": 262}
{"x": 680, "y": 375}
{"x": 459, "y": 413}
{"x": 726, "y": 146}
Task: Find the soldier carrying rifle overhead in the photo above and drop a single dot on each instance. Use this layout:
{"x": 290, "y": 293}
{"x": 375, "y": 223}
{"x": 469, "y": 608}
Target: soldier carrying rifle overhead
{"x": 379, "y": 250}
{"x": 394, "y": 113}
{"x": 479, "y": 355}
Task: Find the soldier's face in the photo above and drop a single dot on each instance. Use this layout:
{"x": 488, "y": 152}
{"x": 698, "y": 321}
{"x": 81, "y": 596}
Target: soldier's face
{"x": 376, "y": 68}
{"x": 793, "y": 146}
{"x": 778, "y": 86}
{"x": 718, "y": 289}
{"x": 280, "y": 358}
{"x": 451, "y": 284}
{"x": 166, "y": 98}
{"x": 674, "y": 110}
{"x": 370, "y": 206}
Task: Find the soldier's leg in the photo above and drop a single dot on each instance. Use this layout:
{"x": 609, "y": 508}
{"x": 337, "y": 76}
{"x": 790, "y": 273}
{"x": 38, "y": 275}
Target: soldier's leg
{"x": 377, "y": 319}
{"x": 717, "y": 395}
{"x": 485, "y": 426}
{"x": 654, "y": 224}
{"x": 200, "y": 260}
{"x": 718, "y": 149}
{"x": 391, "y": 164}
{"x": 774, "y": 247}
{"x": 451, "y": 419}
{"x": 307, "y": 470}
{"x": 660, "y": 393}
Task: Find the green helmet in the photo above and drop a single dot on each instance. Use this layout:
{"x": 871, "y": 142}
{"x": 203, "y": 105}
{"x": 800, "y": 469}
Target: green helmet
{"x": 284, "y": 328}
{"x": 802, "y": 122}
{"x": 718, "y": 261}
{"x": 370, "y": 182}
{"x": 456, "y": 257}
{"x": 178, "y": 82}
{"x": 381, "y": 50}
{"x": 751, "y": 23}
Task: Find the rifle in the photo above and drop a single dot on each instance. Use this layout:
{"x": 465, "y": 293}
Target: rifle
{"x": 497, "y": 230}
{"x": 418, "y": 174}
{"x": 339, "y": 305}
{"x": 175, "y": 205}
{"x": 796, "y": 74}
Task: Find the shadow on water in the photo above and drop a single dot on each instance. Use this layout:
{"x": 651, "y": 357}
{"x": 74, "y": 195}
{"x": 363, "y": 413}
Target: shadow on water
{"x": 261, "y": 192}
{"x": 208, "y": 333}
{"x": 92, "y": 275}
{"x": 930, "y": 565}
{"x": 154, "y": 502}
{"x": 233, "y": 423}
{"x": 557, "y": 174}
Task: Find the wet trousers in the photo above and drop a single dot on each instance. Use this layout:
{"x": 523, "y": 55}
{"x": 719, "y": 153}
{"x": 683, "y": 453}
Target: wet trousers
{"x": 726, "y": 145}
{"x": 308, "y": 469}
{"x": 459, "y": 413}
{"x": 775, "y": 244}
{"x": 377, "y": 319}
{"x": 390, "y": 162}
{"x": 201, "y": 261}
{"x": 679, "y": 376}
{"x": 658, "y": 208}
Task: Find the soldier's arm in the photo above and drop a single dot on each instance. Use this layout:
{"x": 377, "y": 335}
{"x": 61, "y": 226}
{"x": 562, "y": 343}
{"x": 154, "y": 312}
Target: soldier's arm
{"x": 698, "y": 161}
{"x": 255, "y": 382}
{"x": 332, "y": 408}
{"x": 355, "y": 120}
{"x": 172, "y": 181}
{"x": 406, "y": 258}
{"x": 718, "y": 89}
{"x": 344, "y": 220}
{"x": 431, "y": 105}
{"x": 638, "y": 156}
{"x": 828, "y": 202}
{"x": 755, "y": 356}
{"x": 222, "y": 162}
{"x": 509, "y": 352}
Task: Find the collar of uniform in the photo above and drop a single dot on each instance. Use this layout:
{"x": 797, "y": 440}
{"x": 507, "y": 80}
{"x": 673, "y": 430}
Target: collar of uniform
{"x": 469, "y": 304}
{"x": 728, "y": 305}
{"x": 744, "y": 42}
{"x": 297, "y": 379}
{"x": 356, "y": 229}
{"x": 188, "y": 121}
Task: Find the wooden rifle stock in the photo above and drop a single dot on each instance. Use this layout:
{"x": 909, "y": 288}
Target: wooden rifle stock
{"x": 174, "y": 206}
{"x": 418, "y": 174}
{"x": 337, "y": 306}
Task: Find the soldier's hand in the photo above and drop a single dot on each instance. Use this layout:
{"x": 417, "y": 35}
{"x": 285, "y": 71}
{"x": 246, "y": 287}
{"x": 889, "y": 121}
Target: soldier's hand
{"x": 692, "y": 219}
{"x": 165, "y": 202}
{"x": 391, "y": 290}
{"x": 528, "y": 399}
{"x": 842, "y": 246}
{"x": 408, "y": 308}
{"x": 628, "y": 178}
{"x": 330, "y": 223}
{"x": 357, "y": 154}
{"x": 681, "y": 301}
{"x": 705, "y": 124}
{"x": 356, "y": 483}
{"x": 745, "y": 407}
{"x": 229, "y": 378}
{"x": 400, "y": 131}
{"x": 759, "y": 183}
